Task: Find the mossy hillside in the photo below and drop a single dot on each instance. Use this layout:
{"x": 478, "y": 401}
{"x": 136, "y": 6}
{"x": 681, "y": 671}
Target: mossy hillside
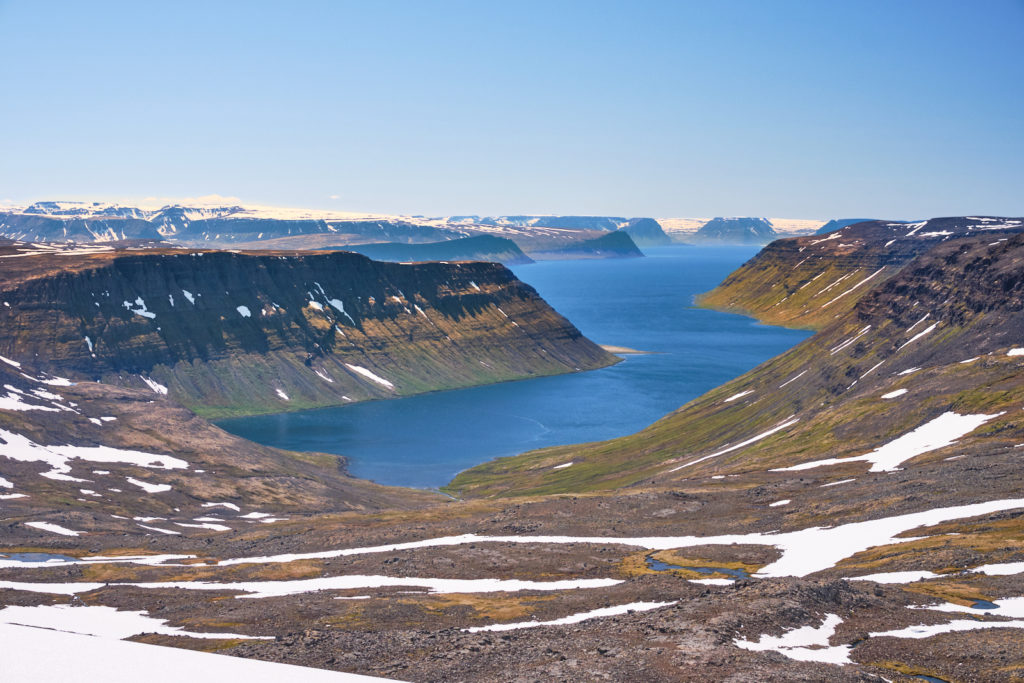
{"x": 234, "y": 333}
{"x": 795, "y": 282}
{"x": 831, "y": 384}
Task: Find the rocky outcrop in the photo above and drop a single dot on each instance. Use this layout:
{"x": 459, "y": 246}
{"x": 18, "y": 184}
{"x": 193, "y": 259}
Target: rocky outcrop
{"x": 245, "y": 333}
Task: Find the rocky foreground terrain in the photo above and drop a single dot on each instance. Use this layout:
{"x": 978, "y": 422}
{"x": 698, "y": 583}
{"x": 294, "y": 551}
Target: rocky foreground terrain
{"x": 851, "y": 510}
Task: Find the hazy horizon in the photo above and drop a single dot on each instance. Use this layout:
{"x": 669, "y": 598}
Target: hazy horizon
{"x": 790, "y": 109}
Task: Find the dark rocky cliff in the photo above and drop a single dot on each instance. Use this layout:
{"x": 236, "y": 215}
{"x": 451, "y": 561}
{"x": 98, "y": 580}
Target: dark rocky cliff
{"x": 243, "y": 333}
{"x": 811, "y": 281}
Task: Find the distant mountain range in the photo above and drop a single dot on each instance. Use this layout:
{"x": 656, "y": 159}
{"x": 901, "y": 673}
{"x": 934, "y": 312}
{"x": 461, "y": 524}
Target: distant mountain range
{"x": 735, "y": 231}
{"x": 269, "y": 227}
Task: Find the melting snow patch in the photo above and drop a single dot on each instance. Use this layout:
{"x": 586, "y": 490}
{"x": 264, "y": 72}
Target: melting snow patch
{"x": 894, "y": 394}
{"x": 13, "y": 401}
{"x": 846, "y": 343}
{"x": 188, "y": 295}
{"x": 919, "y": 335}
{"x": 270, "y": 589}
{"x": 805, "y": 644}
{"x": 562, "y": 466}
{"x": 575, "y": 618}
{"x": 52, "y": 528}
{"x": 1013, "y": 607}
{"x": 162, "y": 531}
{"x": 17, "y": 447}
{"x": 337, "y": 303}
{"x": 895, "y": 577}
{"x": 929, "y": 630}
{"x": 205, "y": 525}
{"x": 10, "y": 362}
{"x": 803, "y": 552}
{"x": 1003, "y": 569}
{"x": 230, "y": 506}
{"x": 938, "y": 433}
{"x": 369, "y": 375}
{"x": 140, "y": 308}
{"x": 739, "y": 395}
{"x": 793, "y": 379}
{"x": 836, "y": 483}
{"x": 907, "y": 371}
{"x": 147, "y": 487}
{"x": 55, "y": 381}
{"x": 244, "y": 311}
{"x": 869, "y": 277}
{"x": 283, "y": 395}
{"x": 1015, "y": 352}
{"x": 155, "y": 386}
{"x": 778, "y": 503}
{"x": 740, "y": 445}
{"x": 96, "y": 620}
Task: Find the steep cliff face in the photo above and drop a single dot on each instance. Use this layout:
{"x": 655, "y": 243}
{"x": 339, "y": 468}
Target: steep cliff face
{"x": 36, "y": 227}
{"x": 95, "y": 222}
{"x": 944, "y": 335}
{"x": 811, "y": 281}
{"x": 647, "y": 232}
{"x": 617, "y": 244}
{"x": 735, "y": 231}
{"x": 240, "y": 333}
{"x": 244, "y": 230}
{"x": 479, "y": 248}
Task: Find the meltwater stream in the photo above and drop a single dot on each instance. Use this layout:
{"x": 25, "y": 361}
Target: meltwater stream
{"x": 646, "y": 304}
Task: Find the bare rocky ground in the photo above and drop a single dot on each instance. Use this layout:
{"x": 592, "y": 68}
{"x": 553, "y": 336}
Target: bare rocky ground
{"x": 405, "y": 633}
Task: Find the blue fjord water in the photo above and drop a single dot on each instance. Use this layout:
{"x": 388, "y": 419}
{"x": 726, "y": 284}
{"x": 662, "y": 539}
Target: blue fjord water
{"x": 424, "y": 441}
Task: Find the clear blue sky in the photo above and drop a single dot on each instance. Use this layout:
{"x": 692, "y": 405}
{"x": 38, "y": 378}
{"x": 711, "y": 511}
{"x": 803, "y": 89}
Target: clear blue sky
{"x": 814, "y": 109}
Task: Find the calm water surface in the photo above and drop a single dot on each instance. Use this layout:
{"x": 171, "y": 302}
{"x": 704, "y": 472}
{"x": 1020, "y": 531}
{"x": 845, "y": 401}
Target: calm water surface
{"x": 645, "y": 304}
